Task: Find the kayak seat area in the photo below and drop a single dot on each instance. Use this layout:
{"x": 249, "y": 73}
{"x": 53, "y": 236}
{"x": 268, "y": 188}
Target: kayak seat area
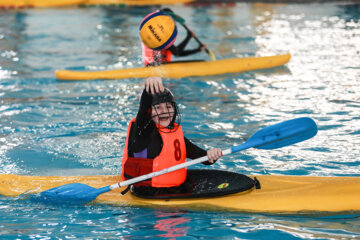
{"x": 201, "y": 184}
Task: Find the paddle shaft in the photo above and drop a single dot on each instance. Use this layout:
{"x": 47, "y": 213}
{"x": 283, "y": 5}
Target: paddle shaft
{"x": 181, "y": 20}
{"x": 198, "y": 40}
{"x": 164, "y": 171}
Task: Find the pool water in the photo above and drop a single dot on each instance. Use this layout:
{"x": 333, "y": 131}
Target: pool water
{"x": 52, "y": 127}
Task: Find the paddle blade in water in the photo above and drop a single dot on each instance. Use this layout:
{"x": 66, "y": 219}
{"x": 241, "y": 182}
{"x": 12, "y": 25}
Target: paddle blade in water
{"x": 284, "y": 133}
{"x": 73, "y": 192}
{"x": 211, "y": 54}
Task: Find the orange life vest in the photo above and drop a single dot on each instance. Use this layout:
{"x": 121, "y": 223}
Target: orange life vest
{"x": 172, "y": 153}
{"x": 151, "y": 57}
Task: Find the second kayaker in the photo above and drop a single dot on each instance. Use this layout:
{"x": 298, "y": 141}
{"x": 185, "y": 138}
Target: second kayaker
{"x": 158, "y": 33}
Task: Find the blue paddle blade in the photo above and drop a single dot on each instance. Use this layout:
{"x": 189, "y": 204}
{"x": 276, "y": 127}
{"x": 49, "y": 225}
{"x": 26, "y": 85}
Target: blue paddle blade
{"x": 70, "y": 193}
{"x": 281, "y": 134}
{"x": 284, "y": 133}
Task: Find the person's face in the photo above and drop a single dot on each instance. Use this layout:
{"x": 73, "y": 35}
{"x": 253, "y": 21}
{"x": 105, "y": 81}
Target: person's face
{"x": 162, "y": 113}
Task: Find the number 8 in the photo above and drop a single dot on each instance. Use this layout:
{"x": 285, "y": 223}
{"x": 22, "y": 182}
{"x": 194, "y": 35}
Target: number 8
{"x": 177, "y": 152}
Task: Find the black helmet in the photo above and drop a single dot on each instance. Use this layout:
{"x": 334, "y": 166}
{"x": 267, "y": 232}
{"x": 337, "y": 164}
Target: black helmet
{"x": 167, "y": 96}
{"x": 162, "y": 97}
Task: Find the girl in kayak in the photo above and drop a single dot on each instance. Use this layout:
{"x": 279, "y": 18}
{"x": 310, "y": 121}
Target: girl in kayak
{"x": 155, "y": 141}
{"x": 158, "y": 33}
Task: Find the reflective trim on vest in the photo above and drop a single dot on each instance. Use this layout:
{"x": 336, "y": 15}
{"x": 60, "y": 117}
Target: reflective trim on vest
{"x": 172, "y": 153}
{"x": 151, "y": 57}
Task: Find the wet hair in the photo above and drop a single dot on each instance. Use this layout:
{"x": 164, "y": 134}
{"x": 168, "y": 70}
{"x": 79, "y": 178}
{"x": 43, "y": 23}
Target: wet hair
{"x": 162, "y": 97}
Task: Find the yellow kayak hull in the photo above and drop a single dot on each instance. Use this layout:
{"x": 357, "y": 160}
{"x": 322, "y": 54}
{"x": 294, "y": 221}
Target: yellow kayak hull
{"x": 63, "y": 3}
{"x": 278, "y": 194}
{"x": 183, "y": 69}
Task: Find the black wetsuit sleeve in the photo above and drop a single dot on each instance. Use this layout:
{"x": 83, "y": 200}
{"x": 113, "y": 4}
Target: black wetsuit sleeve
{"x": 193, "y": 151}
{"x": 179, "y": 51}
{"x": 143, "y": 127}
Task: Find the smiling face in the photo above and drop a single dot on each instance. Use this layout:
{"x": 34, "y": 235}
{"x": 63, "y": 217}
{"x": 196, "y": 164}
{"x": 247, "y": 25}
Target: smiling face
{"x": 163, "y": 113}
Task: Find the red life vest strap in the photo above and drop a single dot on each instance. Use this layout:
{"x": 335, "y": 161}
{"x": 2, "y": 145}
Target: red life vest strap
{"x": 135, "y": 167}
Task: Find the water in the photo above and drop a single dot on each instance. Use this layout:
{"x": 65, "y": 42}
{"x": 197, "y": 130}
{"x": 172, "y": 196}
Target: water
{"x": 51, "y": 127}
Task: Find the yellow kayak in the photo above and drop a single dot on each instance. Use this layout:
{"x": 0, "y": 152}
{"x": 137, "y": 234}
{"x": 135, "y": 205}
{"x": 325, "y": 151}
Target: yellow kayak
{"x": 181, "y": 69}
{"x": 278, "y": 194}
{"x": 62, "y": 3}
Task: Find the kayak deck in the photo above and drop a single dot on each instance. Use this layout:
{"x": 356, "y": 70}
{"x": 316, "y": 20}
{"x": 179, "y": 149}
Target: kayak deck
{"x": 181, "y": 69}
{"x": 278, "y": 194}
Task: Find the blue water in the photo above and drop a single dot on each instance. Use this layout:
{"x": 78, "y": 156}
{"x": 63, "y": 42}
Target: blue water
{"x": 52, "y": 127}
